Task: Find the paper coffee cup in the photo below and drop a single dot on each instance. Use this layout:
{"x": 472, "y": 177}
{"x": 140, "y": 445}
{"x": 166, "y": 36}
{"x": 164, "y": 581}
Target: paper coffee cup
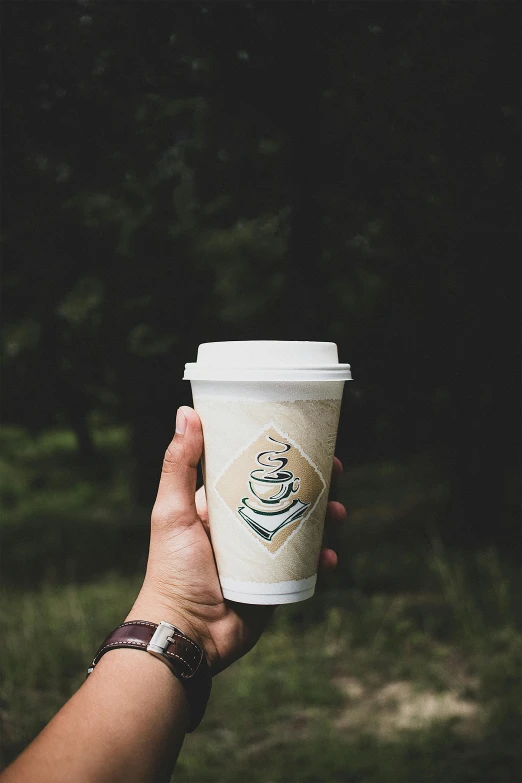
{"x": 270, "y": 412}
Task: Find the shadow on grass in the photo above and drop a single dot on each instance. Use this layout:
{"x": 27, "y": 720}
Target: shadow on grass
{"x": 311, "y": 751}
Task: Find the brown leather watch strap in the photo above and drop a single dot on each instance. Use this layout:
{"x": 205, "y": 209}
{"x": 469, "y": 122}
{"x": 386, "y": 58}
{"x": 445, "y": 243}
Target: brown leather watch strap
{"x": 183, "y": 656}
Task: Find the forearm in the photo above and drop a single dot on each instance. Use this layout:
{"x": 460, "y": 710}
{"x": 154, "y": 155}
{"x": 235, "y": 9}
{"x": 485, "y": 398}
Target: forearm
{"x": 126, "y": 723}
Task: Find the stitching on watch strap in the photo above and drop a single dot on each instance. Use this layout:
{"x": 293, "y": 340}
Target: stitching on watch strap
{"x": 192, "y": 671}
{"x": 131, "y": 643}
{"x": 184, "y": 638}
{"x": 177, "y": 632}
{"x": 137, "y": 622}
{"x": 106, "y": 647}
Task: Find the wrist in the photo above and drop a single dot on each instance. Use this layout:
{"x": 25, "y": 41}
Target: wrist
{"x": 153, "y": 607}
{"x": 177, "y": 652}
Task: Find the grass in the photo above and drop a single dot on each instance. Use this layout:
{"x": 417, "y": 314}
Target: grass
{"x": 404, "y": 668}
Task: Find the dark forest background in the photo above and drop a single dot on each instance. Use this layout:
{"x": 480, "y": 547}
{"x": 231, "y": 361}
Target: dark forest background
{"x": 176, "y": 173}
{"x": 343, "y": 171}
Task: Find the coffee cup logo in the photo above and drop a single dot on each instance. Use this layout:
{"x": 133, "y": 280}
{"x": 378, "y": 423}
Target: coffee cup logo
{"x": 272, "y": 487}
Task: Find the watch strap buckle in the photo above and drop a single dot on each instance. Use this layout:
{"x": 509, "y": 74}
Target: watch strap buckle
{"x": 161, "y": 638}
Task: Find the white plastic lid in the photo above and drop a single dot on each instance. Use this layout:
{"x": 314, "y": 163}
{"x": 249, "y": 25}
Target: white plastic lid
{"x": 267, "y": 360}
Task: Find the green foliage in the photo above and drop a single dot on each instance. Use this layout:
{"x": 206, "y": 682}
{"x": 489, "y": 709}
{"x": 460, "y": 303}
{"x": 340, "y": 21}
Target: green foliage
{"x": 56, "y": 509}
{"x": 247, "y": 263}
{"x": 44, "y": 475}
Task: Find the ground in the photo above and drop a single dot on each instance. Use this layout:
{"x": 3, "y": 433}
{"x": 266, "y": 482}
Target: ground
{"x": 404, "y": 668}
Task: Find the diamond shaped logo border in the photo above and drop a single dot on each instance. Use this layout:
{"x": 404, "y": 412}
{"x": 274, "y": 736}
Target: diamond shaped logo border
{"x": 244, "y": 448}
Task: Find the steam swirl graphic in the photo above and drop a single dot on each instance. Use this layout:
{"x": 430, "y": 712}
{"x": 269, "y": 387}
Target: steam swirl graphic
{"x": 267, "y": 459}
{"x": 270, "y": 459}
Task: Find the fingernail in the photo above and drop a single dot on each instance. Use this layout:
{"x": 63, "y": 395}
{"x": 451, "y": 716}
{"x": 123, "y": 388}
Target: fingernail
{"x": 181, "y": 422}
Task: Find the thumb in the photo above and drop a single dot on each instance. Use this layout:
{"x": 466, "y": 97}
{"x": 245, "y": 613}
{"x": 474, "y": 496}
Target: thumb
{"x": 175, "y": 504}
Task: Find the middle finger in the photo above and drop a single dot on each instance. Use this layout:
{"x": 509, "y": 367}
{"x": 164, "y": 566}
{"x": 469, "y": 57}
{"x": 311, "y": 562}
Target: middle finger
{"x": 335, "y": 512}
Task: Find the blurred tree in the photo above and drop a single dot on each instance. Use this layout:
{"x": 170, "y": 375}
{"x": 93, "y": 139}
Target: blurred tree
{"x": 241, "y": 170}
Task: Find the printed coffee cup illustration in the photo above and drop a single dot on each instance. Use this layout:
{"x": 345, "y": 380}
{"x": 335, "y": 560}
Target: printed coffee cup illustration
{"x": 272, "y": 488}
{"x": 277, "y": 494}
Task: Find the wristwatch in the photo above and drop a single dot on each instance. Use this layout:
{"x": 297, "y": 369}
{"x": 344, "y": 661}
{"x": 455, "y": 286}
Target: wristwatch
{"x": 184, "y": 658}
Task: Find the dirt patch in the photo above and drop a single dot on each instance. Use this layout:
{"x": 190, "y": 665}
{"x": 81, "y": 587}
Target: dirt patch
{"x": 400, "y": 705}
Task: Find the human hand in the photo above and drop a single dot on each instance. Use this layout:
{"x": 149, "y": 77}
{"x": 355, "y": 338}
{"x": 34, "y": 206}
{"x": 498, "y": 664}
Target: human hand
{"x": 181, "y": 584}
